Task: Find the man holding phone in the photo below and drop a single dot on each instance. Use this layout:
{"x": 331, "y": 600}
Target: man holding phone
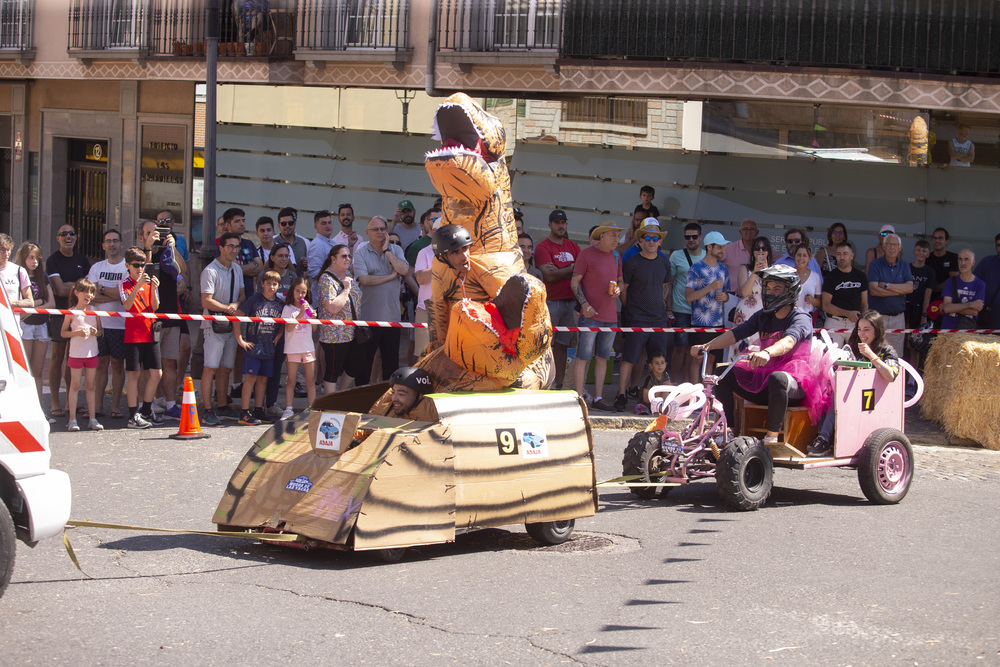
{"x": 159, "y": 246}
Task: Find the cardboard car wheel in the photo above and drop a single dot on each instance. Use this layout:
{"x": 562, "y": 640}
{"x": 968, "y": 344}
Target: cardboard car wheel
{"x": 643, "y": 456}
{"x": 393, "y": 555}
{"x": 8, "y": 547}
{"x": 745, "y": 473}
{"x": 885, "y": 466}
{"x": 551, "y": 532}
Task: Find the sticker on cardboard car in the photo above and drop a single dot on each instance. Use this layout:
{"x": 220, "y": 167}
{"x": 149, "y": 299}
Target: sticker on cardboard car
{"x": 534, "y": 444}
{"x": 331, "y": 425}
{"x": 300, "y": 484}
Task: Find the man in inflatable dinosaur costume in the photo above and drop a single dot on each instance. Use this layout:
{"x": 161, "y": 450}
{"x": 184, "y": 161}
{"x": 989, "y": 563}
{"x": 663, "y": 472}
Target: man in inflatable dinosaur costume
{"x": 489, "y": 325}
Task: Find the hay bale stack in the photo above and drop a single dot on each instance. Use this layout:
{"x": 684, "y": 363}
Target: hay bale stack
{"x": 962, "y": 393}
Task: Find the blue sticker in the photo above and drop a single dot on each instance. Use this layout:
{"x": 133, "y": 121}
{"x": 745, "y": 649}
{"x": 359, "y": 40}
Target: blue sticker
{"x": 300, "y": 484}
{"x": 672, "y": 447}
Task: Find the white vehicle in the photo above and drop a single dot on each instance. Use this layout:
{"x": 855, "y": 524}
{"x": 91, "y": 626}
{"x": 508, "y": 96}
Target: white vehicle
{"x": 34, "y": 499}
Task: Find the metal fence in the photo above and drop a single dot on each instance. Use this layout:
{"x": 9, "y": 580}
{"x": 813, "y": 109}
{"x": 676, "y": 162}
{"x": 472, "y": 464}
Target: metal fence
{"x": 170, "y": 27}
{"x": 335, "y": 25}
{"x": 500, "y": 25}
{"x": 939, "y": 36}
{"x": 103, "y": 24}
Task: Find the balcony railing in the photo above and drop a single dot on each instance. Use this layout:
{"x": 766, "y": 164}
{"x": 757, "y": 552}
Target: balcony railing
{"x": 97, "y": 25}
{"x": 500, "y": 25}
{"x": 15, "y": 27}
{"x": 947, "y": 37}
{"x": 340, "y": 25}
{"x": 176, "y": 28}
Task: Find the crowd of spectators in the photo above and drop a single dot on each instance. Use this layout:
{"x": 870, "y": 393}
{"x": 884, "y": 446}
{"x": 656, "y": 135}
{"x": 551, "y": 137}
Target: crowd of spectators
{"x": 623, "y": 277}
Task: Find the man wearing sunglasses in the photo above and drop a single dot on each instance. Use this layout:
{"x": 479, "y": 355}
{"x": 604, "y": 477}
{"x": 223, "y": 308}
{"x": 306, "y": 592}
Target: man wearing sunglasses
{"x": 287, "y": 218}
{"x": 793, "y": 239}
{"x": 682, "y": 367}
{"x": 64, "y": 267}
{"x": 645, "y": 291}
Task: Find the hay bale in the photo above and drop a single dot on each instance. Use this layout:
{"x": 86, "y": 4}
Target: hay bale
{"x": 962, "y": 387}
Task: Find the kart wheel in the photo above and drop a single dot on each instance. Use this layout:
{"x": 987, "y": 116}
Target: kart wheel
{"x": 551, "y": 532}
{"x": 745, "y": 474}
{"x": 885, "y": 466}
{"x": 643, "y": 457}
{"x": 8, "y": 547}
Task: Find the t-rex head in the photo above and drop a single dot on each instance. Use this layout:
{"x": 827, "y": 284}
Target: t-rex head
{"x": 462, "y": 125}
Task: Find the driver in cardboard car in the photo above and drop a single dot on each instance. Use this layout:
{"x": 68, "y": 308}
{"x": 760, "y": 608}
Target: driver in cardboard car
{"x": 409, "y": 385}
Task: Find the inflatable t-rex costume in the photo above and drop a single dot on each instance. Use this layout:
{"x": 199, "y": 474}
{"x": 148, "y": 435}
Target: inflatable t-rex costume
{"x": 492, "y": 329}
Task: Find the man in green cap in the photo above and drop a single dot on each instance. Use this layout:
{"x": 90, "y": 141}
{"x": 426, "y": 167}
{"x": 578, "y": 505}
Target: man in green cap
{"x": 403, "y": 224}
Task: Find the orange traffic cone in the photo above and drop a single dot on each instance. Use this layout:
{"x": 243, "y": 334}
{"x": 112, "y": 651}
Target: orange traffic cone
{"x": 190, "y": 427}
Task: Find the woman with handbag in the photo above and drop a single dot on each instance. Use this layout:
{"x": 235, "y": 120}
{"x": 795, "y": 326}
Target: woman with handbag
{"x": 343, "y": 346}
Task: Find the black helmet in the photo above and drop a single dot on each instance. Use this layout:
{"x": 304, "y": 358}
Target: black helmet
{"x": 448, "y": 238}
{"x": 416, "y": 379}
{"x": 782, "y": 274}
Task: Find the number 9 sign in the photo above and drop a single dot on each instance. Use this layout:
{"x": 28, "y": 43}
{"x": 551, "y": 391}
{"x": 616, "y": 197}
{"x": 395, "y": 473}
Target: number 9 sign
{"x": 506, "y": 441}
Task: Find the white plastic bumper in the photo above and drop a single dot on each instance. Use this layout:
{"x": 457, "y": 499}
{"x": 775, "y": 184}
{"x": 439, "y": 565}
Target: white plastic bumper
{"x": 48, "y": 499}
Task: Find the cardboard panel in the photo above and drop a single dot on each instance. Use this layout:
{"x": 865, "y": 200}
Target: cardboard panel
{"x": 520, "y": 456}
{"x": 282, "y": 480}
{"x": 411, "y": 499}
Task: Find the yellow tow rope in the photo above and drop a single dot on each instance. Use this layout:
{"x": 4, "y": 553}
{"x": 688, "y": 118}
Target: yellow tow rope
{"x": 272, "y": 537}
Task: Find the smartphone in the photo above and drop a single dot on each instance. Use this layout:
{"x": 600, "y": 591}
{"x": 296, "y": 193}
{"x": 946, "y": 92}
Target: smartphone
{"x": 150, "y": 268}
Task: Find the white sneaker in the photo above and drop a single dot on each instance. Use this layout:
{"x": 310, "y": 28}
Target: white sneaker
{"x": 287, "y": 414}
{"x": 138, "y": 421}
{"x": 160, "y": 404}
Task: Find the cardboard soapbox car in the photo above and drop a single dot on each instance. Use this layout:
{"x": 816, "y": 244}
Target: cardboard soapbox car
{"x": 341, "y": 478}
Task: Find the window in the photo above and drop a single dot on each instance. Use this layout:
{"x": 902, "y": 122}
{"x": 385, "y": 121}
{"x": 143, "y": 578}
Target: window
{"x": 525, "y": 23}
{"x": 15, "y": 24}
{"x": 612, "y": 111}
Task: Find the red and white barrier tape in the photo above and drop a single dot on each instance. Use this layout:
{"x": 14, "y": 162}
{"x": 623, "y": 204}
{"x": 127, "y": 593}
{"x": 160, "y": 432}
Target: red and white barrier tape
{"x": 417, "y": 325}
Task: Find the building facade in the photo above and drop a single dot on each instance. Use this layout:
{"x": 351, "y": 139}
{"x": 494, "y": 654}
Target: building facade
{"x": 788, "y": 114}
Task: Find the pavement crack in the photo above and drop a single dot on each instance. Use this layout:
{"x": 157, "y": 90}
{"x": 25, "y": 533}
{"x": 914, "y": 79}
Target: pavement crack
{"x": 422, "y": 621}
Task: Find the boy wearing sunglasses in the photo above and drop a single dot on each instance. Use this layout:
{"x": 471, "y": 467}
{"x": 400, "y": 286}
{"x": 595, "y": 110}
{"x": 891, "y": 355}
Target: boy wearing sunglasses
{"x": 139, "y": 295}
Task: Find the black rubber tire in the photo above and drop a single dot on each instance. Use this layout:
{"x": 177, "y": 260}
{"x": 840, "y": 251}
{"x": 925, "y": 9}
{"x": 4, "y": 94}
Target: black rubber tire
{"x": 745, "y": 473}
{"x": 642, "y": 457}
{"x": 551, "y": 532}
{"x": 8, "y": 547}
{"x": 393, "y": 555}
{"x": 885, "y": 466}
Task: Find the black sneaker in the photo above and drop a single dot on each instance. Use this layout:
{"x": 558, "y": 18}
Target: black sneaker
{"x": 820, "y": 447}
{"x": 263, "y": 417}
{"x": 599, "y": 404}
{"x": 620, "y": 402}
{"x": 236, "y": 391}
{"x": 632, "y": 392}
{"x": 154, "y": 418}
{"x": 247, "y": 419}
{"x": 300, "y": 390}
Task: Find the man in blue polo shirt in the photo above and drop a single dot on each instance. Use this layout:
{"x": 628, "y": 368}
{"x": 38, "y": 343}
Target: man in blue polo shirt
{"x": 889, "y": 281}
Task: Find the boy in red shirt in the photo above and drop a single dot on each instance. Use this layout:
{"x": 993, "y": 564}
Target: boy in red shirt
{"x": 139, "y": 295}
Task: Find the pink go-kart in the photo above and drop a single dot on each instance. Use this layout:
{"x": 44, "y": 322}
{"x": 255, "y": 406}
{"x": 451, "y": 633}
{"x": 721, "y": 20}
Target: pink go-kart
{"x": 868, "y": 435}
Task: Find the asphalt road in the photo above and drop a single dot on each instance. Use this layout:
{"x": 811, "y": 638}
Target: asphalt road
{"x": 818, "y": 576}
